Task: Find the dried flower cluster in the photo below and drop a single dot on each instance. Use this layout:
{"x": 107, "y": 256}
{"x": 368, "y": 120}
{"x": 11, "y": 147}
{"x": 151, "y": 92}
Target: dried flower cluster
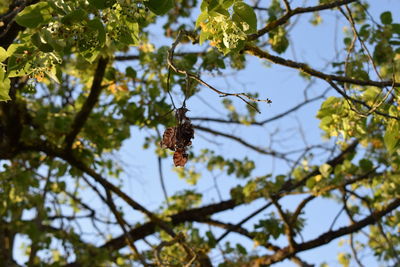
{"x": 178, "y": 138}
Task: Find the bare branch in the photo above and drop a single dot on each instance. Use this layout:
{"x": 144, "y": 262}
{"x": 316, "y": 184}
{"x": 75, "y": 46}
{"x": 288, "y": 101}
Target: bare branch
{"x": 255, "y": 51}
{"x": 241, "y": 141}
{"x": 354, "y": 251}
{"x": 243, "y": 96}
{"x": 82, "y": 116}
{"x": 289, "y": 230}
{"x": 290, "y": 13}
{"x": 260, "y": 123}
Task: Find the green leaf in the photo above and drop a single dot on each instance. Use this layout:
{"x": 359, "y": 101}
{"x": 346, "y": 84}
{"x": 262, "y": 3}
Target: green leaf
{"x": 15, "y": 66}
{"x": 365, "y": 31}
{"x": 58, "y": 45}
{"x": 130, "y": 72}
{"x": 247, "y": 15}
{"x": 159, "y": 7}
{"x": 34, "y": 15}
{"x": 15, "y": 48}
{"x": 396, "y": 28}
{"x": 325, "y": 169}
{"x": 134, "y": 31}
{"x": 227, "y": 3}
{"x": 37, "y": 41}
{"x": 100, "y": 4}
{"x": 386, "y": 18}
{"x": 219, "y": 10}
{"x": 202, "y": 17}
{"x": 311, "y": 182}
{"x": 211, "y": 239}
{"x": 279, "y": 42}
{"x": 52, "y": 73}
{"x": 4, "y": 86}
{"x": 209, "y": 5}
{"x": 203, "y": 37}
{"x": 241, "y": 249}
{"x": 366, "y": 164}
{"x": 392, "y": 136}
{"x": 98, "y": 26}
{"x": 3, "y": 54}
{"x": 74, "y": 16}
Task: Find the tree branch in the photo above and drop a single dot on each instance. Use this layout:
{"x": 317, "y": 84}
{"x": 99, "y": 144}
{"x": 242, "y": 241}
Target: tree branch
{"x": 291, "y": 12}
{"x": 82, "y": 116}
{"x": 327, "y": 236}
{"x": 241, "y": 141}
{"x": 261, "y": 123}
{"x": 243, "y": 96}
{"x": 10, "y": 28}
{"x": 255, "y": 51}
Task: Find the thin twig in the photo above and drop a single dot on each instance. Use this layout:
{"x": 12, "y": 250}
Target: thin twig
{"x": 169, "y": 89}
{"x": 299, "y": 10}
{"x": 243, "y": 142}
{"x": 239, "y": 224}
{"x": 354, "y": 251}
{"x": 128, "y": 238}
{"x": 273, "y": 118}
{"x": 287, "y": 6}
{"x": 164, "y": 189}
{"x": 243, "y": 96}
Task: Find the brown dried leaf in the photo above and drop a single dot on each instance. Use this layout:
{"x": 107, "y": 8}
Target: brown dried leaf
{"x": 169, "y": 138}
{"x": 184, "y": 135}
{"x": 180, "y": 158}
{"x": 187, "y": 131}
{"x": 178, "y": 138}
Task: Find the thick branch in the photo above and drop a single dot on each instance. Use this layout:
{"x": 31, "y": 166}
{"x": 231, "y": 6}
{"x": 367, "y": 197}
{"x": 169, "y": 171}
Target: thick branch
{"x": 89, "y": 104}
{"x": 185, "y": 216}
{"x": 75, "y": 162}
{"x": 327, "y": 237}
{"x": 251, "y": 236}
{"x": 192, "y": 215}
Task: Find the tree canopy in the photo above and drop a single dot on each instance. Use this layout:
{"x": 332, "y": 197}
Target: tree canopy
{"x": 79, "y": 77}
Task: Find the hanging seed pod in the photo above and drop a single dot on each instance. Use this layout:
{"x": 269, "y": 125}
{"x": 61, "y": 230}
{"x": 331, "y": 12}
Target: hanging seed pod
{"x": 180, "y": 158}
{"x": 178, "y": 138}
{"x": 169, "y": 138}
{"x": 186, "y": 133}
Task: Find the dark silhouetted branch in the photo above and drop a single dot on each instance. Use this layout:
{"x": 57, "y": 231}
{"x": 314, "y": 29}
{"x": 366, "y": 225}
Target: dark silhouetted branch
{"x": 291, "y": 12}
{"x": 255, "y": 51}
{"x": 327, "y": 237}
{"x": 241, "y": 141}
{"x": 82, "y": 116}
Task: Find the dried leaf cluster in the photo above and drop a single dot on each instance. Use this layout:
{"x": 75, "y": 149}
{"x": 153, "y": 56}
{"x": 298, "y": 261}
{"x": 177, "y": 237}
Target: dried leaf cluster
{"x": 178, "y": 138}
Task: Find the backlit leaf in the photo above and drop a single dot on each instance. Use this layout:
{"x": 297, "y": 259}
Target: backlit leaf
{"x": 34, "y": 15}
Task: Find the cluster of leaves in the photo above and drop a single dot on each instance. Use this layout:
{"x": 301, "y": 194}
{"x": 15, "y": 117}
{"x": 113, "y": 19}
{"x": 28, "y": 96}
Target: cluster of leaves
{"x": 57, "y": 29}
{"x": 226, "y": 31}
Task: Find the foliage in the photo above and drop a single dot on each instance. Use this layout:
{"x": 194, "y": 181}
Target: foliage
{"x": 69, "y": 101}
